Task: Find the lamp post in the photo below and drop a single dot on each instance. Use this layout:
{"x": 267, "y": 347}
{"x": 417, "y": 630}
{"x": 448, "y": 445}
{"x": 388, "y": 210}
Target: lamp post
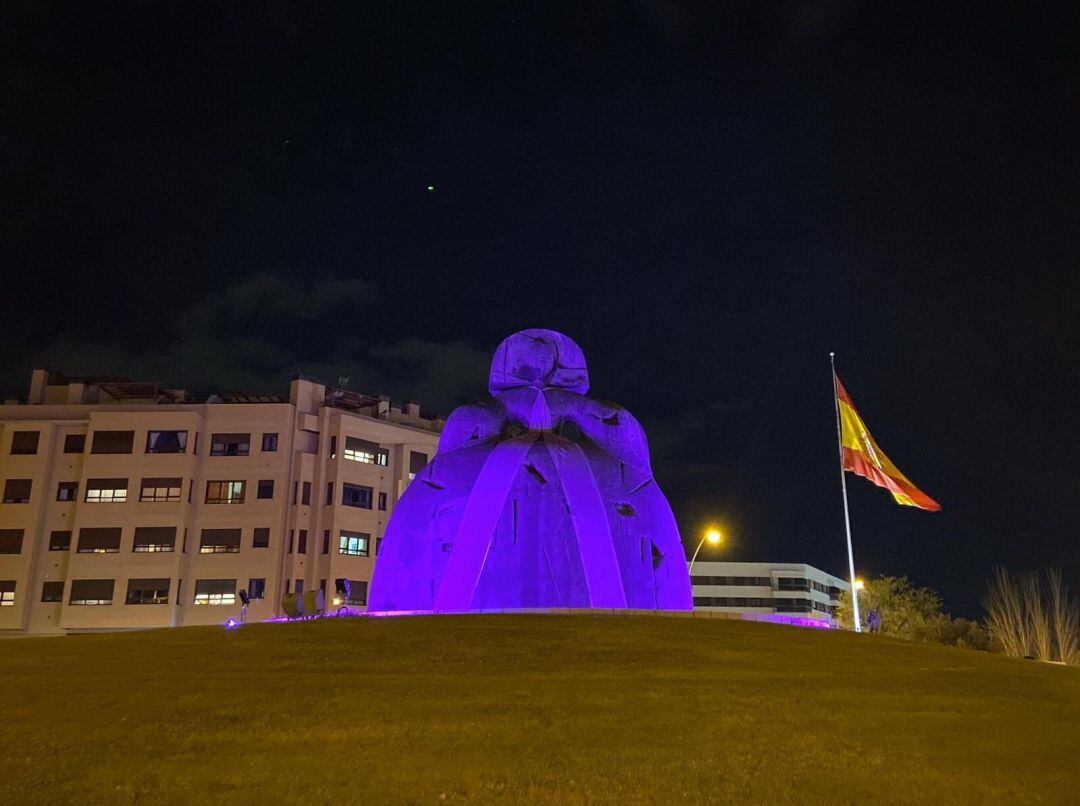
{"x": 713, "y": 537}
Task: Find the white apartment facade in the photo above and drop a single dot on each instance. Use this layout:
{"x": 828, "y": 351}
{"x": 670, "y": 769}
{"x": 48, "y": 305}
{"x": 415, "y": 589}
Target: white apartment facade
{"x": 126, "y": 505}
{"x": 790, "y": 592}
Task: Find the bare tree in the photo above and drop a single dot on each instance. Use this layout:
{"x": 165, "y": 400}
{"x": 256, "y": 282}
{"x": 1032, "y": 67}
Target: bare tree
{"x": 1065, "y": 616}
{"x": 1006, "y": 614}
{"x": 1028, "y": 620}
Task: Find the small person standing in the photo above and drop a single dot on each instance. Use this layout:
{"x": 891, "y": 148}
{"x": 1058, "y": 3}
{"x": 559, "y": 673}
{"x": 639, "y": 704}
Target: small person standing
{"x": 873, "y": 621}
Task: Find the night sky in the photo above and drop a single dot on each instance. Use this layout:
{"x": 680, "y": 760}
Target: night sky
{"x": 708, "y": 197}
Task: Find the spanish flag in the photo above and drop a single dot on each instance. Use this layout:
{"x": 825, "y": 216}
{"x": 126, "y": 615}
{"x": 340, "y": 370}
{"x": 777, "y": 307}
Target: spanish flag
{"x": 863, "y": 457}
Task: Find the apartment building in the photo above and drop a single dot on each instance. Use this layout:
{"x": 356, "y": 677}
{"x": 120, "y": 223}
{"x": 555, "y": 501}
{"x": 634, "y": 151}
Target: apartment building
{"x": 793, "y": 591}
{"x": 129, "y": 505}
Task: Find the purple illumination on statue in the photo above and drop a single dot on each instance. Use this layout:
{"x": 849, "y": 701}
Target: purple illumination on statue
{"x": 540, "y": 498}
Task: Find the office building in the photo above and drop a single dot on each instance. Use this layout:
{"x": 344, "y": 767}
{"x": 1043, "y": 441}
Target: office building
{"x": 791, "y": 592}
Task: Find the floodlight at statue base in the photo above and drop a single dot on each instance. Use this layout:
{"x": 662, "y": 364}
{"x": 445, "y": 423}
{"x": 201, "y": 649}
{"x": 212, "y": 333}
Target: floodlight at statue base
{"x": 539, "y": 499}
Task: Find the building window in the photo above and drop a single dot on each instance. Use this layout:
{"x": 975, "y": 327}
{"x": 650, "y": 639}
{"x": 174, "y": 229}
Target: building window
{"x": 360, "y": 450}
{"x": 326, "y": 541}
{"x": 152, "y": 539}
{"x": 11, "y": 541}
{"x": 382, "y": 502}
{"x": 74, "y": 443}
{"x": 67, "y": 491}
{"x": 148, "y": 591}
{"x": 230, "y": 444}
{"x": 353, "y": 495}
{"x": 106, "y": 491}
{"x": 256, "y": 588}
{"x": 7, "y": 592}
{"x": 161, "y": 490}
{"x": 166, "y": 441}
{"x": 219, "y": 541}
{"x": 224, "y": 492}
{"x": 299, "y": 587}
{"x": 91, "y": 592}
{"x": 17, "y": 491}
{"x": 301, "y": 547}
{"x": 792, "y": 584}
{"x": 60, "y": 540}
{"x": 354, "y": 543}
{"x": 113, "y": 442}
{"x": 99, "y": 540}
{"x": 265, "y": 489}
{"x": 333, "y": 447}
{"x": 329, "y": 493}
{"x": 269, "y": 443}
{"x": 24, "y": 442}
{"x": 382, "y": 458}
{"x": 261, "y": 540}
{"x": 291, "y": 533}
{"x": 417, "y": 462}
{"x": 356, "y": 591}
{"x": 295, "y": 489}
{"x": 378, "y": 545}
{"x": 215, "y": 591}
{"x": 305, "y": 493}
{"x": 52, "y": 591}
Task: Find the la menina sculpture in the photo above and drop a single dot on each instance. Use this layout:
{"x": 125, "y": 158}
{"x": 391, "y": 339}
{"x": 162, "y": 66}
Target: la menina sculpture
{"x": 539, "y": 498}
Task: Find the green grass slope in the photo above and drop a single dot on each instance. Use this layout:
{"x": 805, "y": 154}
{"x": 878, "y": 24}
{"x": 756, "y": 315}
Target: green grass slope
{"x": 545, "y": 708}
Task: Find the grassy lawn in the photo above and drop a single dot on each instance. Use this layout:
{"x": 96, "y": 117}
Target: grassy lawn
{"x": 567, "y": 708}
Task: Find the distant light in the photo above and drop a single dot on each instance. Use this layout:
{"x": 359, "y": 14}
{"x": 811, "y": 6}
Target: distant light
{"x": 337, "y": 601}
{"x": 714, "y": 536}
{"x": 430, "y": 188}
{"x": 859, "y": 584}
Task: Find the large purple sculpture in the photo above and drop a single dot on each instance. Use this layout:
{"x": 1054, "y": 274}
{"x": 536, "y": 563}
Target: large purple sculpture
{"x": 540, "y": 498}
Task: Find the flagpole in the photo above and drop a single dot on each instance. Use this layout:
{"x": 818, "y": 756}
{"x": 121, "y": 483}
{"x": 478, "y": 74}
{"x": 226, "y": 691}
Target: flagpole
{"x": 843, "y": 488}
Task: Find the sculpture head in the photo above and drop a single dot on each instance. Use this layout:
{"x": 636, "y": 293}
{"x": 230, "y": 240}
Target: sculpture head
{"x": 538, "y": 359}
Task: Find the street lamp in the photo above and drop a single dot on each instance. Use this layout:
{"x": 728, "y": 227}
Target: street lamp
{"x": 859, "y": 584}
{"x": 713, "y": 537}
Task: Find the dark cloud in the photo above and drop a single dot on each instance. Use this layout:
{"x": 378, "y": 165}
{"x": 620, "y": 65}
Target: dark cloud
{"x": 227, "y": 341}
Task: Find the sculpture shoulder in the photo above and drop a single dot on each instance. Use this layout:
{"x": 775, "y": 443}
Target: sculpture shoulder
{"x": 472, "y": 425}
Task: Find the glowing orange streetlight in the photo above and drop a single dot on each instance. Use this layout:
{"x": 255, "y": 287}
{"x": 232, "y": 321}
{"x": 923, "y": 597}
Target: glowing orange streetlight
{"x": 712, "y": 537}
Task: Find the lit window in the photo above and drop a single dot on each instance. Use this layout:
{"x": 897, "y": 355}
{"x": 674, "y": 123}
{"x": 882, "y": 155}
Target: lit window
{"x": 359, "y": 450}
{"x": 224, "y": 492}
{"x": 67, "y": 491}
{"x": 230, "y": 444}
{"x": 219, "y": 541}
{"x": 215, "y": 591}
{"x": 7, "y": 592}
{"x": 166, "y": 441}
{"x": 354, "y": 543}
{"x": 161, "y": 490}
{"x": 91, "y": 592}
{"x": 382, "y": 458}
{"x": 153, "y": 539}
{"x": 147, "y": 591}
{"x": 106, "y": 491}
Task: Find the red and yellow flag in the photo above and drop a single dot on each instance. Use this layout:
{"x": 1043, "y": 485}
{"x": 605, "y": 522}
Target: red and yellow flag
{"x": 863, "y": 457}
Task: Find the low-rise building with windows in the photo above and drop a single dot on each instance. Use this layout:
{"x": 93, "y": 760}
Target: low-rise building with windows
{"x": 793, "y": 592}
{"x": 129, "y": 505}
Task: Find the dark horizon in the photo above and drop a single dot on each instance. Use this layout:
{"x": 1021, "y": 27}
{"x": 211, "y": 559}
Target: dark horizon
{"x": 708, "y": 198}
